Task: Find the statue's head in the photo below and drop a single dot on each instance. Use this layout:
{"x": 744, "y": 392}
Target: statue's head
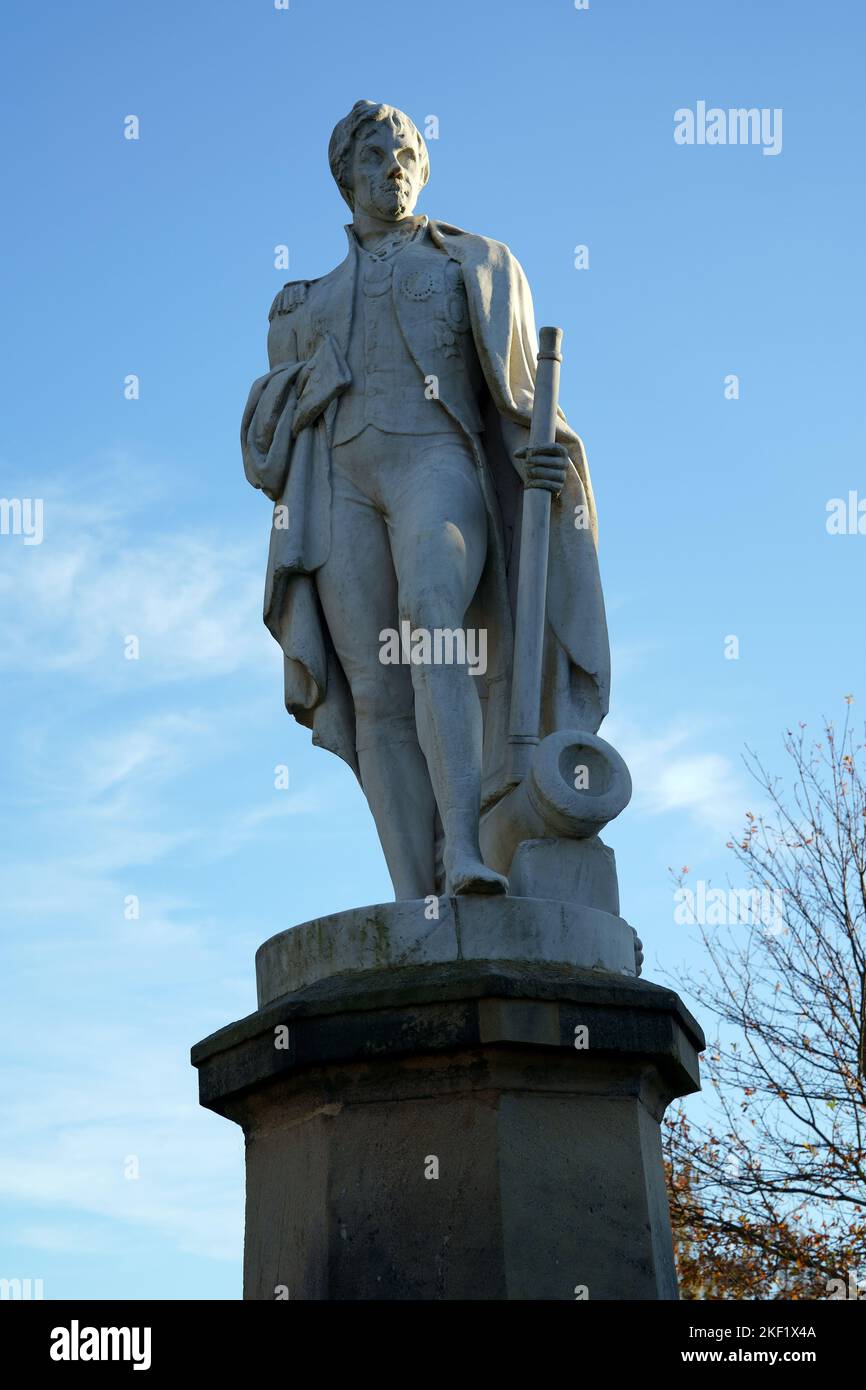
{"x": 379, "y": 160}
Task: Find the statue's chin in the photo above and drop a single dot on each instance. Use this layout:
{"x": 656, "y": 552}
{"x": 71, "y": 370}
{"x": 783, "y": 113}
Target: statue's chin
{"x": 392, "y": 210}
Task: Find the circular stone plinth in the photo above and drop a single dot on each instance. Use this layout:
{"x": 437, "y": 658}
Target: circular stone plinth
{"x": 428, "y": 930}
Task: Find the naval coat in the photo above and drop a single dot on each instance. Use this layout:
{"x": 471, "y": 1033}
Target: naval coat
{"x": 285, "y": 437}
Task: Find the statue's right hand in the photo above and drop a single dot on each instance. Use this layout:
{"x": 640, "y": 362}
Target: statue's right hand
{"x": 545, "y": 466}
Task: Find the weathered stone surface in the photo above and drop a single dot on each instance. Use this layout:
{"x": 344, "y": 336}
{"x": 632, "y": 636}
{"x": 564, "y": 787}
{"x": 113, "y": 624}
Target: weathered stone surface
{"x": 407, "y": 430}
{"x": 549, "y": 1161}
{"x": 479, "y": 928}
{"x": 571, "y": 871}
{"x": 457, "y": 1095}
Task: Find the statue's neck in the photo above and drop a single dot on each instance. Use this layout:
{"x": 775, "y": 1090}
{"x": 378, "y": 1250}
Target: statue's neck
{"x": 371, "y": 230}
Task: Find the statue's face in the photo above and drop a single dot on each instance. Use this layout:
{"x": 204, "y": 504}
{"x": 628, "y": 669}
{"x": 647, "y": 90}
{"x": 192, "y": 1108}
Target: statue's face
{"x": 386, "y": 172}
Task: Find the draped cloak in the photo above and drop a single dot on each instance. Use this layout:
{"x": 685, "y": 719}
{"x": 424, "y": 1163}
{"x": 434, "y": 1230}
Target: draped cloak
{"x": 285, "y": 434}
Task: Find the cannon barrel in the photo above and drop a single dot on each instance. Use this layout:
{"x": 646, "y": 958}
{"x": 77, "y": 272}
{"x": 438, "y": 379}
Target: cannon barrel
{"x": 575, "y": 785}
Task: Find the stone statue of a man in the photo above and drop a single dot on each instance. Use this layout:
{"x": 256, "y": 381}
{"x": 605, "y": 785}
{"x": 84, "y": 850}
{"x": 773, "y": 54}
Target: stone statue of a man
{"x": 391, "y": 432}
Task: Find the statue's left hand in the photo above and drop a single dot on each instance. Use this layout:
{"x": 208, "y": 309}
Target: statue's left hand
{"x": 545, "y": 466}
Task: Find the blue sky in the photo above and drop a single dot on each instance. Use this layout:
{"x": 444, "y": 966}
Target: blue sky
{"x": 155, "y": 777}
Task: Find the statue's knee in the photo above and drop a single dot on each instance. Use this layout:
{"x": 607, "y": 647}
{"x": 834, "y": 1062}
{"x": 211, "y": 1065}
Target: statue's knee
{"x": 385, "y": 731}
{"x": 383, "y": 705}
{"x": 444, "y": 545}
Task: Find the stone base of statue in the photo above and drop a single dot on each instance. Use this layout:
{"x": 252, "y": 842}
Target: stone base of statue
{"x": 462, "y": 1107}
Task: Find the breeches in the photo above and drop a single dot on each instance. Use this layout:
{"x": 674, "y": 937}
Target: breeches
{"x": 408, "y": 543}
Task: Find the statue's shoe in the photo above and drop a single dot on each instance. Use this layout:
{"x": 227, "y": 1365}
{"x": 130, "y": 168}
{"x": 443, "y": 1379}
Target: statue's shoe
{"x": 472, "y": 876}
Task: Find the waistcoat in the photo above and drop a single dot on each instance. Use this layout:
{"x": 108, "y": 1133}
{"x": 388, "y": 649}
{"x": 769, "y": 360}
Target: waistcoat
{"x": 414, "y": 297}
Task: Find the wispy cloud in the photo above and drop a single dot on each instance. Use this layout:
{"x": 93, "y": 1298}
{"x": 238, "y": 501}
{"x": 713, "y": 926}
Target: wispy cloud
{"x": 114, "y": 1132}
{"x": 107, "y": 571}
{"x": 672, "y": 773}
{"x": 124, "y": 776}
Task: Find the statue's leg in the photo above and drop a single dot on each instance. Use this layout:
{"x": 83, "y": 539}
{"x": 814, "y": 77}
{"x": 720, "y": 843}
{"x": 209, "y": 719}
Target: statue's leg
{"x": 438, "y": 525}
{"x": 358, "y": 593}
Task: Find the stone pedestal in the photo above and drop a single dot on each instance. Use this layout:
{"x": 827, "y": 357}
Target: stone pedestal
{"x": 429, "y": 1116}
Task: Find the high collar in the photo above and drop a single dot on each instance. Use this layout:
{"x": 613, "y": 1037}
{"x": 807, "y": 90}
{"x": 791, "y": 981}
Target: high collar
{"x": 355, "y": 243}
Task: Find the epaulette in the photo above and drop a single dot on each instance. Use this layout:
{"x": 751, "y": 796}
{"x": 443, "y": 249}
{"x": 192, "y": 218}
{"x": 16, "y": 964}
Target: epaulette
{"x": 290, "y": 296}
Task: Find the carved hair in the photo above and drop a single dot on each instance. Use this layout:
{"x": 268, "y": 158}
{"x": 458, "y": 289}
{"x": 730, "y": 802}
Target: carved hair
{"x": 346, "y": 130}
